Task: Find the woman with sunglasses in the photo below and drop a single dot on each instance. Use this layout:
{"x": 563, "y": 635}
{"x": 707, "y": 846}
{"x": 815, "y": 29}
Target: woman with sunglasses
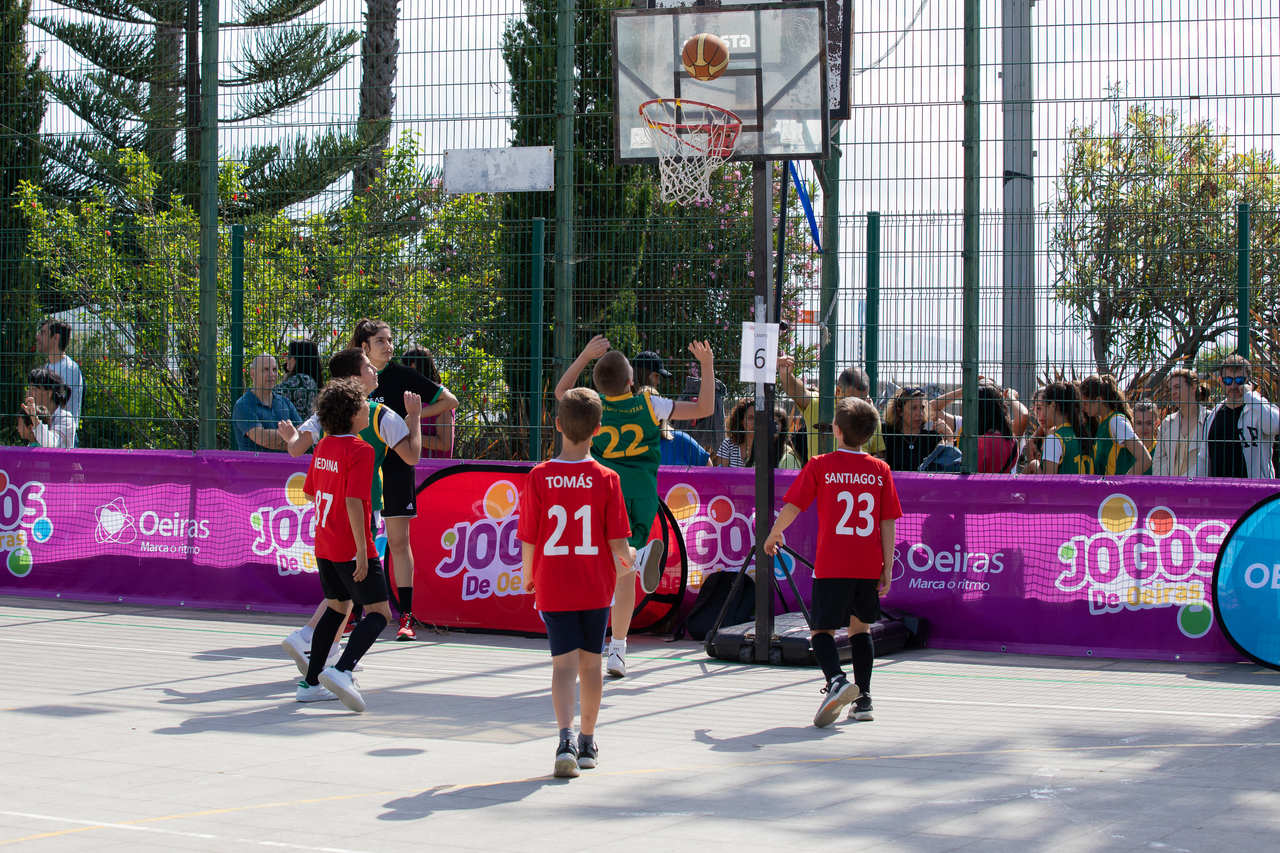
{"x": 909, "y": 435}
{"x": 1242, "y": 429}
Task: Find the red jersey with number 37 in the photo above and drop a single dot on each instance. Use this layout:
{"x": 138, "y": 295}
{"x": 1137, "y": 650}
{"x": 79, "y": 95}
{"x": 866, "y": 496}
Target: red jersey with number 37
{"x": 341, "y": 468}
{"x": 569, "y": 511}
{"x": 854, "y": 492}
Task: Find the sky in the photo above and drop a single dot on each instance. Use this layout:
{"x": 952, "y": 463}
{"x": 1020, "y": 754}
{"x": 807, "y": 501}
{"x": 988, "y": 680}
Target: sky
{"x": 1217, "y": 60}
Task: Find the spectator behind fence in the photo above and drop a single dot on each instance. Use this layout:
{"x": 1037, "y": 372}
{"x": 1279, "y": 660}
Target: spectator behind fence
{"x": 740, "y": 431}
{"x": 1034, "y": 433}
{"x": 1146, "y": 421}
{"x": 1067, "y": 449}
{"x": 852, "y": 382}
{"x": 52, "y": 338}
{"x": 908, "y": 437}
{"x": 1241, "y": 432}
{"x": 437, "y": 430}
{"x": 997, "y": 448}
{"x": 781, "y": 454}
{"x": 709, "y": 431}
{"x": 1116, "y": 446}
{"x": 677, "y": 446}
{"x": 1178, "y": 439}
{"x": 258, "y": 412}
{"x": 303, "y": 379}
{"x": 47, "y": 396}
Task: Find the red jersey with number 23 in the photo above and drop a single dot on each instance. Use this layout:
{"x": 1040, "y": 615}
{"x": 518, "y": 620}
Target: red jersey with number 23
{"x": 569, "y": 511}
{"x": 854, "y": 493}
{"x": 341, "y": 468}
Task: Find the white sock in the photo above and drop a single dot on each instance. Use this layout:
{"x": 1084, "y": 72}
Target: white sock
{"x": 307, "y": 633}
{"x": 619, "y": 645}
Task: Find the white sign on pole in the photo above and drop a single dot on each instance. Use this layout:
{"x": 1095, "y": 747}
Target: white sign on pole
{"x": 498, "y": 170}
{"x": 759, "y": 353}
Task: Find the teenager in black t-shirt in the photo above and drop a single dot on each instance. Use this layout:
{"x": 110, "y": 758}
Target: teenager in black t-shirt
{"x": 399, "y": 485}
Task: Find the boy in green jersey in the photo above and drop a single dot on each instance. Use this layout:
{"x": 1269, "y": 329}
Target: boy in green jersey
{"x": 628, "y": 442}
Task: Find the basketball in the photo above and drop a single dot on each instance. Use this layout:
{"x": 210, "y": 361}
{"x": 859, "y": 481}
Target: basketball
{"x": 705, "y": 56}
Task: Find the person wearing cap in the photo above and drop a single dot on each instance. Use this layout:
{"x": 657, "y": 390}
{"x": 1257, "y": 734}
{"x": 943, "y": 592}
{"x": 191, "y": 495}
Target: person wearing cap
{"x": 649, "y": 369}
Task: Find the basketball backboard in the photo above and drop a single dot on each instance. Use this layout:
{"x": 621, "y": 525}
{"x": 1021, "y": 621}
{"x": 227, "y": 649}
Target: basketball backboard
{"x": 839, "y": 32}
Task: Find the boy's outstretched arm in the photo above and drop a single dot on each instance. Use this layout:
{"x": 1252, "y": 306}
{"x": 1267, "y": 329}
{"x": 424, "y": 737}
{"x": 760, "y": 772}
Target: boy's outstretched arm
{"x": 888, "y": 534}
{"x": 295, "y": 441}
{"x": 596, "y": 347}
{"x": 781, "y": 523}
{"x": 688, "y": 410}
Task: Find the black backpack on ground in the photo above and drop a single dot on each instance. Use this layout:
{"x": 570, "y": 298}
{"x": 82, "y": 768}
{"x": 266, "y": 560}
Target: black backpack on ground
{"x": 713, "y": 597}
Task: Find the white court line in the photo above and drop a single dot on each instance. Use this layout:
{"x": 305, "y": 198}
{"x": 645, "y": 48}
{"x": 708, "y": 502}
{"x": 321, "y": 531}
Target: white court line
{"x": 201, "y": 835}
{"x": 435, "y": 670}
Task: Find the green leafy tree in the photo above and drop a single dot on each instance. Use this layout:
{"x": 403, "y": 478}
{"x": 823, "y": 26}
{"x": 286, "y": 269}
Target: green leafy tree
{"x": 22, "y": 94}
{"x": 131, "y": 261}
{"x": 1144, "y": 238}
{"x": 144, "y": 86}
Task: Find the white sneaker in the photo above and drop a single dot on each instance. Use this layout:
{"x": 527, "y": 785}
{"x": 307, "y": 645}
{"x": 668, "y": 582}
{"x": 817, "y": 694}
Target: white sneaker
{"x": 297, "y": 647}
{"x": 312, "y": 693}
{"x": 649, "y": 564}
{"x": 616, "y": 665}
{"x": 344, "y": 685}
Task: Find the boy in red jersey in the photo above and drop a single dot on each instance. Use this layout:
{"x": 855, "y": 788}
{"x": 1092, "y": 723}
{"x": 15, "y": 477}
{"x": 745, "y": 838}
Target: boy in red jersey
{"x": 573, "y": 531}
{"x": 857, "y": 506}
{"x": 339, "y": 483}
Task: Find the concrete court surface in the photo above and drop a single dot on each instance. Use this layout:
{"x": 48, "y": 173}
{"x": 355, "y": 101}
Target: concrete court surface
{"x": 131, "y": 728}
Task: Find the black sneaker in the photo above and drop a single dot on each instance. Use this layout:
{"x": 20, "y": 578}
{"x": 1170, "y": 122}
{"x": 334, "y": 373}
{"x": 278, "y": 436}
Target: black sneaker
{"x": 566, "y": 759}
{"x": 839, "y": 692}
{"x": 588, "y": 754}
{"x": 861, "y": 709}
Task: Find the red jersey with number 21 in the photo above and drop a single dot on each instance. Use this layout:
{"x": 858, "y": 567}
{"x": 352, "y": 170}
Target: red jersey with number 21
{"x": 341, "y": 468}
{"x": 854, "y": 493}
{"x": 569, "y": 511}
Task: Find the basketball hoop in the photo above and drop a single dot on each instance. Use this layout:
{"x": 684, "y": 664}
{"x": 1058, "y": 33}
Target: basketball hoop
{"x": 692, "y": 139}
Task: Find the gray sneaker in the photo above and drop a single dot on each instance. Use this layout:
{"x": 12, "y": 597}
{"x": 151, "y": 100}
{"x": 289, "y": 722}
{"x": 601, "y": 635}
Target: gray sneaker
{"x": 566, "y": 759}
{"x": 649, "y": 564}
{"x": 343, "y": 684}
{"x": 838, "y": 694}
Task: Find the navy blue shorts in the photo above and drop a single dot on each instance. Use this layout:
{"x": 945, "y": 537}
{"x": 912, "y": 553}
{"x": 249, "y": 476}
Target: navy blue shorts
{"x": 836, "y": 599}
{"x": 570, "y": 630}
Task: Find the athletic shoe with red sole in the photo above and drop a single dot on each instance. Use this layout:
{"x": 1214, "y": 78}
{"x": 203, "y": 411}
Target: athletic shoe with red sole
{"x": 406, "y": 631}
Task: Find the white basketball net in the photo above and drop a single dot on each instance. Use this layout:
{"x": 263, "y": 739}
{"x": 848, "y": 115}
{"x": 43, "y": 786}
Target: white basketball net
{"x": 692, "y": 139}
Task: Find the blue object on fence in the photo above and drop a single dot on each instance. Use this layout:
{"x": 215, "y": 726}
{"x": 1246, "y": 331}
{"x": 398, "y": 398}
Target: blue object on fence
{"x": 808, "y": 205}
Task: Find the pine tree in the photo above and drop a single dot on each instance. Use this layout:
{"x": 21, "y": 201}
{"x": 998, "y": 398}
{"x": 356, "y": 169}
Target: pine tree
{"x": 379, "y": 54}
{"x": 23, "y": 102}
{"x": 145, "y": 87}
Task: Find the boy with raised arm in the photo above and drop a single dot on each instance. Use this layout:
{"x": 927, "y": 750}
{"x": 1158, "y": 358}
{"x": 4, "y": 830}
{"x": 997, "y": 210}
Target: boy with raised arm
{"x": 629, "y": 443}
{"x": 857, "y": 507}
{"x": 573, "y": 531}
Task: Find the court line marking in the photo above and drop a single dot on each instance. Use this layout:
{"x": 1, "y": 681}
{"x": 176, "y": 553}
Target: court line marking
{"x": 141, "y": 823}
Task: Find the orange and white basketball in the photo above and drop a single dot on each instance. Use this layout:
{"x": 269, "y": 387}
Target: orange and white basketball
{"x": 705, "y": 56}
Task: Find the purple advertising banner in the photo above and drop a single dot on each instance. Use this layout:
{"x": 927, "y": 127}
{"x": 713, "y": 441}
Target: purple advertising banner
{"x": 1063, "y": 565}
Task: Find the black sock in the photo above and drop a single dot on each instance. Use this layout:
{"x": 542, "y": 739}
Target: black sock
{"x": 864, "y": 652}
{"x": 404, "y": 597}
{"x": 824, "y": 649}
{"x": 362, "y": 638}
{"x": 585, "y": 741}
{"x": 566, "y": 734}
{"x": 321, "y": 642}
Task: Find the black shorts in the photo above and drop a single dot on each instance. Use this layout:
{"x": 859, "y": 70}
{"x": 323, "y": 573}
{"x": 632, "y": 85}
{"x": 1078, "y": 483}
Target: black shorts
{"x": 836, "y": 599}
{"x": 570, "y": 630}
{"x": 336, "y": 579}
{"x": 399, "y": 493}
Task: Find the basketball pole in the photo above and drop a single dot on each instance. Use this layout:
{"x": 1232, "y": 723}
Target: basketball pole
{"x": 766, "y": 312}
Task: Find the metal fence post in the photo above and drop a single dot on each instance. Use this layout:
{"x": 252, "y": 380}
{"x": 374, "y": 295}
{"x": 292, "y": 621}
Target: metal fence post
{"x": 236, "y": 380}
{"x": 972, "y": 237}
{"x": 1242, "y": 279}
{"x": 565, "y": 196}
{"x": 871, "y": 339}
{"x": 829, "y": 320}
{"x": 208, "y": 374}
{"x": 535, "y": 340}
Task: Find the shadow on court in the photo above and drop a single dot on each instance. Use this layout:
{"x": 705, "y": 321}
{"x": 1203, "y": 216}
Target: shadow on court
{"x": 762, "y": 739}
{"x": 444, "y": 798}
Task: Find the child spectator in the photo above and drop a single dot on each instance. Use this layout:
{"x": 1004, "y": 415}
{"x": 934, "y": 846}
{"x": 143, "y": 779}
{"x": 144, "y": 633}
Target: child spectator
{"x": 437, "y": 430}
{"x": 629, "y": 443}
{"x": 46, "y": 391}
{"x": 857, "y": 509}
{"x": 1117, "y": 449}
{"x": 341, "y": 473}
{"x": 569, "y": 507}
{"x": 303, "y": 381}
